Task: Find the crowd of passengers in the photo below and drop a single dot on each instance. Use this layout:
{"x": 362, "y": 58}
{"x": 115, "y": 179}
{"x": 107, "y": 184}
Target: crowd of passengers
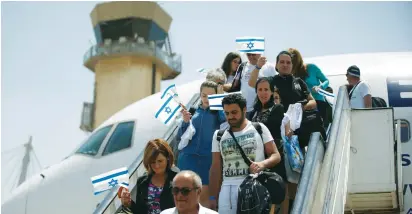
{"x": 211, "y": 168}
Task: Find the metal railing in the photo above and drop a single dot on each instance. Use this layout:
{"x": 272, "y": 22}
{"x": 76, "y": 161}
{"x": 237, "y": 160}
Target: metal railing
{"x": 309, "y": 178}
{"x": 322, "y": 188}
{"x": 111, "y": 204}
{"x": 173, "y": 61}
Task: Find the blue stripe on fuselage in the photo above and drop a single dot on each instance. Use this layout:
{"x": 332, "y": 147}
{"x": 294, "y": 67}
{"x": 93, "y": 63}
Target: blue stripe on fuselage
{"x": 394, "y": 92}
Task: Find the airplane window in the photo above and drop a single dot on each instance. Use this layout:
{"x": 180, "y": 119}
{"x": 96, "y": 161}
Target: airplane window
{"x": 92, "y": 145}
{"x": 405, "y": 131}
{"x": 121, "y": 138}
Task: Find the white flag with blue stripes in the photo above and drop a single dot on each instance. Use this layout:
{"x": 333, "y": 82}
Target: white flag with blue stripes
{"x": 170, "y": 105}
{"x": 325, "y": 93}
{"x": 329, "y": 97}
{"x": 108, "y": 180}
{"x": 215, "y": 100}
{"x": 255, "y": 45}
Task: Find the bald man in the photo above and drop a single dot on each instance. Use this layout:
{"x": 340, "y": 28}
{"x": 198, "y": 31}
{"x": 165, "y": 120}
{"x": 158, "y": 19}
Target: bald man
{"x": 187, "y": 187}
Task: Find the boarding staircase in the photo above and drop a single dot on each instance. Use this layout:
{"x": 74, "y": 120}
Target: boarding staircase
{"x": 356, "y": 170}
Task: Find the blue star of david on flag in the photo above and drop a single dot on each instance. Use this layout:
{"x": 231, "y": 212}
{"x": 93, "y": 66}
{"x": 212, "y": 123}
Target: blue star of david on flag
{"x": 109, "y": 180}
{"x": 250, "y": 45}
{"x": 113, "y": 183}
{"x": 170, "y": 104}
{"x": 254, "y": 45}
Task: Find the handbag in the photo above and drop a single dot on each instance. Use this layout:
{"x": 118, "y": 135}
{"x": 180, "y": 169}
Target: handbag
{"x": 271, "y": 180}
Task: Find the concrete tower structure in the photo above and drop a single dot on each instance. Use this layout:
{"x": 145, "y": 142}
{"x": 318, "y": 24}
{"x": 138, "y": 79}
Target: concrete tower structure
{"x": 132, "y": 55}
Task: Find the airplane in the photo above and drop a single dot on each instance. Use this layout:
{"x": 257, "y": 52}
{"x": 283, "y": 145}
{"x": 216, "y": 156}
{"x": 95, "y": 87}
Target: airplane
{"x": 66, "y": 186}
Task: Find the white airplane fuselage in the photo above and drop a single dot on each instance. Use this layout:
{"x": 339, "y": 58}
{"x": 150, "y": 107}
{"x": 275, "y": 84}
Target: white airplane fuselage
{"x": 66, "y": 187}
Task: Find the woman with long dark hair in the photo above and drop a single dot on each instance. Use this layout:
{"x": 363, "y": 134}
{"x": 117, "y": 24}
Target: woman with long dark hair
{"x": 230, "y": 65}
{"x": 270, "y": 112}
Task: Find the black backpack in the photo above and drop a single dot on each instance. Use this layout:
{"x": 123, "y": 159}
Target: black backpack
{"x": 238, "y": 76}
{"x": 266, "y": 178}
{"x": 253, "y": 197}
{"x": 378, "y": 102}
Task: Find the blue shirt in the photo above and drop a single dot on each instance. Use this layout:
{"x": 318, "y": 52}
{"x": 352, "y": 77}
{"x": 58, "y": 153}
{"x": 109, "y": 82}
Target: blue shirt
{"x": 316, "y": 78}
{"x": 205, "y": 123}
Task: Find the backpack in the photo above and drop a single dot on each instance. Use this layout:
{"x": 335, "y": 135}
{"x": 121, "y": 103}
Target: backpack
{"x": 377, "y": 102}
{"x": 253, "y": 197}
{"x": 236, "y": 80}
{"x": 253, "y": 186}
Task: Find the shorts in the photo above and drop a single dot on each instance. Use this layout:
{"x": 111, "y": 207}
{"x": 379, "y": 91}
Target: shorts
{"x": 228, "y": 199}
{"x": 196, "y": 163}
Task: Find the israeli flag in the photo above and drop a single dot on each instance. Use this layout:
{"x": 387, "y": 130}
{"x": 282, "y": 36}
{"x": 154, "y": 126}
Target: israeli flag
{"x": 255, "y": 45}
{"x": 215, "y": 100}
{"x": 108, "y": 180}
{"x": 171, "y": 104}
{"x": 329, "y": 97}
{"x": 325, "y": 93}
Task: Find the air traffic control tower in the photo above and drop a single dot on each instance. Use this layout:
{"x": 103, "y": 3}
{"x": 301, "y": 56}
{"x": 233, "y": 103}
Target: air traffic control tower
{"x": 132, "y": 55}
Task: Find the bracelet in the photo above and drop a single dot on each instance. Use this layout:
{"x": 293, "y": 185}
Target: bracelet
{"x": 212, "y": 197}
{"x": 257, "y": 67}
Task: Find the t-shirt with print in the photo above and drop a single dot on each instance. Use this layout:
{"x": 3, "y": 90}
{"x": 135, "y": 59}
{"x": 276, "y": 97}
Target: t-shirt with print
{"x": 234, "y": 167}
{"x": 249, "y": 93}
{"x": 153, "y": 197}
{"x": 358, "y": 92}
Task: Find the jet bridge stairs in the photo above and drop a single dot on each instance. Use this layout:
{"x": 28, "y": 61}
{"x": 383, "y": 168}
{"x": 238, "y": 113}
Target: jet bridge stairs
{"x": 357, "y": 169}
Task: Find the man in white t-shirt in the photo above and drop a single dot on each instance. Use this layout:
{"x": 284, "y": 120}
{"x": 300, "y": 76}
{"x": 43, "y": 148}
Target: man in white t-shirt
{"x": 227, "y": 161}
{"x": 259, "y": 64}
{"x": 360, "y": 94}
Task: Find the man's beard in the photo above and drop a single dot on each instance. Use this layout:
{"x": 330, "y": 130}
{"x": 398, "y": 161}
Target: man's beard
{"x": 238, "y": 123}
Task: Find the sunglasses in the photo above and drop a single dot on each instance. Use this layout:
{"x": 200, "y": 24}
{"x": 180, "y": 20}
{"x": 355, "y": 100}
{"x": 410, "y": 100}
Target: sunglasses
{"x": 250, "y": 54}
{"x": 184, "y": 190}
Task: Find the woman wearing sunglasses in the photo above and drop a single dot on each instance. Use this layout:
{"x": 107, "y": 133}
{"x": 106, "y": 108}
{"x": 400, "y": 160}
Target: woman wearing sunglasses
{"x": 230, "y": 65}
{"x": 154, "y": 188}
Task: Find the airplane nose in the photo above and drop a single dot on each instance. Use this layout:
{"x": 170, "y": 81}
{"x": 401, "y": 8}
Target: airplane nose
{"x": 65, "y": 187}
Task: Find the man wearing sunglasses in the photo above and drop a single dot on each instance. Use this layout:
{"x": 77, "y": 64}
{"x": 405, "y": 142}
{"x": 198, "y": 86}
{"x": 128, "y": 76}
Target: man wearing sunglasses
{"x": 187, "y": 186}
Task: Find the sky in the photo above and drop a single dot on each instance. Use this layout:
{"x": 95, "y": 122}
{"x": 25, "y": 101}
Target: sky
{"x": 44, "y": 82}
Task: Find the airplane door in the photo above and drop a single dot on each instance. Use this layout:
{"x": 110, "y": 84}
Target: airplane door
{"x": 400, "y": 97}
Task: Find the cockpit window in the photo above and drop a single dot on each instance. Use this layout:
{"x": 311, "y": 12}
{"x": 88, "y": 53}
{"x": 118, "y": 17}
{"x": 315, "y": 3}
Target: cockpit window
{"x": 121, "y": 138}
{"x": 92, "y": 145}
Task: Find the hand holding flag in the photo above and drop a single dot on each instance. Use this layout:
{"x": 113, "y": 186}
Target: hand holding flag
{"x": 170, "y": 105}
{"x": 108, "y": 180}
